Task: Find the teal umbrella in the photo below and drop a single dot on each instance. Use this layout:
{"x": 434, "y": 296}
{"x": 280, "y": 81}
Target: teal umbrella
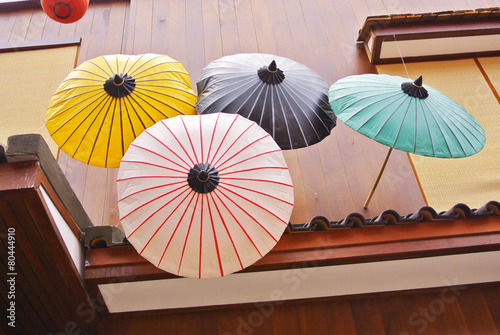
{"x": 405, "y": 115}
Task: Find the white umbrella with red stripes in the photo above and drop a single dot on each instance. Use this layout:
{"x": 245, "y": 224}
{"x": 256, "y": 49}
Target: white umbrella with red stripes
{"x": 204, "y": 195}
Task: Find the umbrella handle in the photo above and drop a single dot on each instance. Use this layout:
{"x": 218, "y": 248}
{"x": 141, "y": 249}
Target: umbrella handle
{"x": 378, "y": 179}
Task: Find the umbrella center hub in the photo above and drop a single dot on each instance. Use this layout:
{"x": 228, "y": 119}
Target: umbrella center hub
{"x": 119, "y": 86}
{"x": 271, "y": 74}
{"x": 203, "y": 178}
{"x": 415, "y": 89}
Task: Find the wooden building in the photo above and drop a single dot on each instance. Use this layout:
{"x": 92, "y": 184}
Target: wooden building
{"x": 423, "y": 258}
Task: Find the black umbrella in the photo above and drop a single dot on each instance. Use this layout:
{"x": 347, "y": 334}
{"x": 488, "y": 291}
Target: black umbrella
{"x": 286, "y": 98}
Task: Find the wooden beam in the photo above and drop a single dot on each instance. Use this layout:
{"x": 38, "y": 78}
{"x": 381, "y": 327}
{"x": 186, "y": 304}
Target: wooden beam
{"x": 321, "y": 248}
{"x": 42, "y": 258}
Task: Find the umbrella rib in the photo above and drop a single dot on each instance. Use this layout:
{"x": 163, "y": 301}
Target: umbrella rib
{"x": 86, "y": 131}
{"x": 187, "y": 234}
{"x": 296, "y": 119}
{"x": 122, "y": 130}
{"x": 237, "y": 221}
{"x": 142, "y": 91}
{"x": 99, "y": 132}
{"x": 109, "y": 66}
{"x": 151, "y": 201}
{"x": 179, "y": 142}
{"x": 213, "y": 136}
{"x": 223, "y": 139}
{"x": 448, "y": 126}
{"x": 111, "y": 131}
{"x": 144, "y": 82}
{"x": 466, "y": 128}
{"x": 241, "y": 150}
{"x": 215, "y": 236}
{"x": 185, "y": 88}
{"x": 249, "y": 158}
{"x": 98, "y": 66}
{"x": 148, "y": 177}
{"x": 140, "y": 78}
{"x": 131, "y": 97}
{"x": 371, "y": 104}
{"x": 130, "y": 119}
{"x": 154, "y": 165}
{"x": 300, "y": 95}
{"x": 99, "y": 92}
{"x": 135, "y": 73}
{"x": 137, "y": 92}
{"x": 190, "y": 142}
{"x": 441, "y": 130}
{"x": 464, "y": 122}
{"x": 89, "y": 72}
{"x": 228, "y": 93}
{"x": 159, "y": 155}
{"x": 117, "y": 64}
{"x": 177, "y": 226}
{"x": 166, "y": 220}
{"x": 255, "y": 204}
{"x": 188, "y": 166}
{"x": 266, "y": 91}
{"x": 372, "y": 116}
{"x": 233, "y": 143}
{"x": 401, "y": 125}
{"x": 201, "y": 234}
{"x": 428, "y": 129}
{"x": 255, "y": 191}
{"x": 131, "y": 72}
{"x": 201, "y": 141}
{"x": 124, "y": 66}
{"x": 286, "y": 121}
{"x": 225, "y": 226}
{"x": 259, "y": 94}
{"x": 390, "y": 116}
{"x": 146, "y": 189}
{"x": 416, "y": 129}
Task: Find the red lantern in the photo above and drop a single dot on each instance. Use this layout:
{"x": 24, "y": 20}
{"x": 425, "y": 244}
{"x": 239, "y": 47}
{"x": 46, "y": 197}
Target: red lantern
{"x": 65, "y": 11}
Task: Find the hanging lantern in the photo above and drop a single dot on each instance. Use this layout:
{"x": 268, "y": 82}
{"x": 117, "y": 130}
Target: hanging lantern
{"x": 65, "y": 11}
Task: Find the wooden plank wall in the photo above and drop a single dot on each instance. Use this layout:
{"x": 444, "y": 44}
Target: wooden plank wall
{"x": 451, "y": 310}
{"x": 331, "y": 178}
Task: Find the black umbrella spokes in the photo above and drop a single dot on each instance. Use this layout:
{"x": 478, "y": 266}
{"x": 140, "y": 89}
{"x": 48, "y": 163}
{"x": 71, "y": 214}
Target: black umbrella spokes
{"x": 203, "y": 178}
{"x": 120, "y": 85}
{"x": 415, "y": 89}
{"x": 271, "y": 74}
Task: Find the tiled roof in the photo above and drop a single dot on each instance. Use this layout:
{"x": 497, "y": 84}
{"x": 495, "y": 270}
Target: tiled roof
{"x": 389, "y": 217}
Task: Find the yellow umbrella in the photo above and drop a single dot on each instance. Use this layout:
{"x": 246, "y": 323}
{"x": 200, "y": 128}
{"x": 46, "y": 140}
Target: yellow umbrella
{"x": 106, "y": 102}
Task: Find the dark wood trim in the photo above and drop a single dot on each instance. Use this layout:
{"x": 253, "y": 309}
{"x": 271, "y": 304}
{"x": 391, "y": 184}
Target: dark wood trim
{"x": 322, "y": 248}
{"x": 40, "y": 44}
{"x": 386, "y": 30}
{"x": 431, "y": 58}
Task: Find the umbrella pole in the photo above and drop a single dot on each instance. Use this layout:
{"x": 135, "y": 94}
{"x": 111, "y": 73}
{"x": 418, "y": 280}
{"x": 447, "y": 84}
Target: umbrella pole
{"x": 378, "y": 179}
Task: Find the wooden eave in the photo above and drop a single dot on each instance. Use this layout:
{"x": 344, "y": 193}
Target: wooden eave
{"x": 321, "y": 248}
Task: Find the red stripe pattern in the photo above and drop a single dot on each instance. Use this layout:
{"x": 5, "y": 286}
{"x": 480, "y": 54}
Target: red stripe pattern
{"x": 204, "y": 235}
